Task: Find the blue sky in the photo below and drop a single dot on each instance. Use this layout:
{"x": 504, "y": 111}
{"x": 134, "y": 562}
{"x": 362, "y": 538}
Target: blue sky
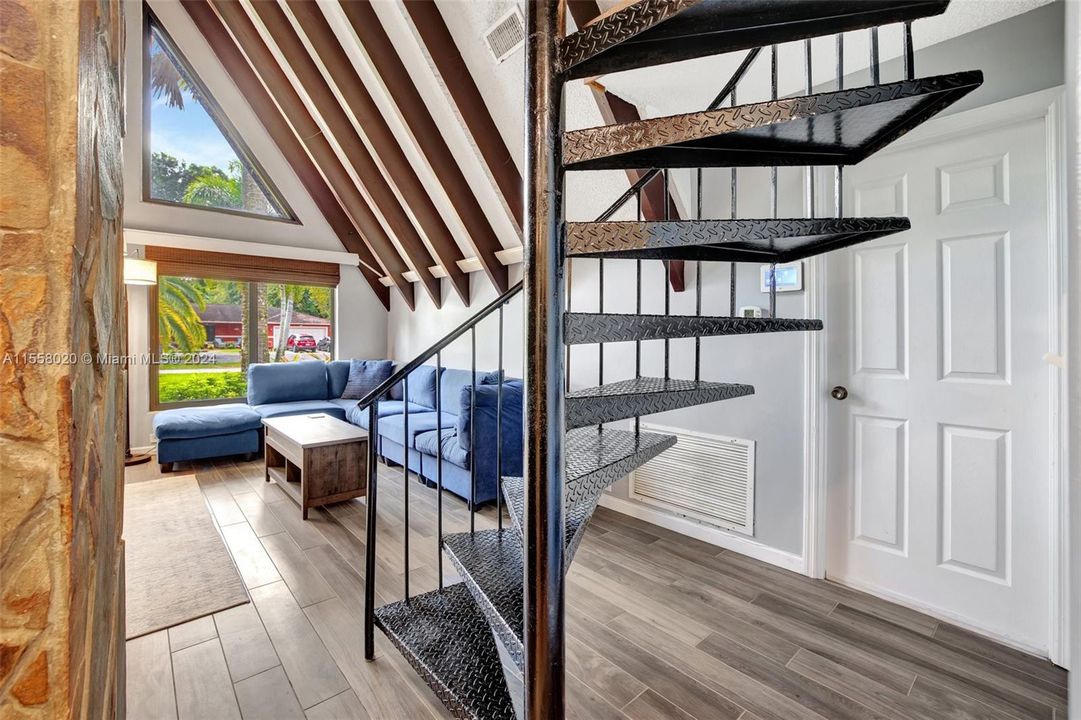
{"x": 189, "y": 134}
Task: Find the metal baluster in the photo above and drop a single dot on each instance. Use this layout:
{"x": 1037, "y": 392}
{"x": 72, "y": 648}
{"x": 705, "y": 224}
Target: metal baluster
{"x": 838, "y": 177}
{"x": 732, "y": 214}
{"x": 499, "y": 432}
{"x": 439, "y": 465}
{"x": 638, "y": 310}
{"x": 667, "y": 280}
{"x": 910, "y": 56}
{"x": 698, "y": 285}
{"x": 369, "y": 534}
{"x": 773, "y": 187}
{"x": 809, "y": 90}
{"x": 405, "y": 478}
{"x": 472, "y": 435}
{"x": 600, "y": 309}
{"x": 876, "y": 71}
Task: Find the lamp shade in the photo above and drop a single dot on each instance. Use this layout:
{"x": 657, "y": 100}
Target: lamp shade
{"x": 140, "y": 272}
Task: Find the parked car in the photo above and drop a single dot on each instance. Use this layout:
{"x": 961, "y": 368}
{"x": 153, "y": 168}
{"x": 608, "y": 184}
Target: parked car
{"x": 300, "y": 343}
{"x": 325, "y": 344}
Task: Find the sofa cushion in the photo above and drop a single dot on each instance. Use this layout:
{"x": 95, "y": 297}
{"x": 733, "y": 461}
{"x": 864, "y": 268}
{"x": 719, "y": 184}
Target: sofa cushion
{"x": 393, "y": 426}
{"x": 201, "y": 422}
{"x": 421, "y": 387}
{"x": 488, "y": 406}
{"x": 337, "y": 377}
{"x": 300, "y": 407}
{"x": 451, "y": 385}
{"x": 365, "y": 376}
{"x": 359, "y": 416}
{"x": 287, "y": 382}
{"x": 449, "y": 447}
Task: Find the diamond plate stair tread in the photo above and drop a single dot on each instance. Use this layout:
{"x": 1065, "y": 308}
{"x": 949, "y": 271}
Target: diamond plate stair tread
{"x": 446, "y": 639}
{"x": 585, "y": 328}
{"x": 654, "y": 32}
{"x": 490, "y": 563}
{"x": 749, "y": 240}
{"x": 644, "y": 396}
{"x": 575, "y": 519}
{"x": 840, "y": 127}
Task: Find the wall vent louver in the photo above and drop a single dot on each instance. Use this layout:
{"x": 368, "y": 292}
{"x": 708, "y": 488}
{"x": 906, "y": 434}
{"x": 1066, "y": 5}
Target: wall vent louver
{"x": 506, "y": 35}
{"x": 708, "y": 478}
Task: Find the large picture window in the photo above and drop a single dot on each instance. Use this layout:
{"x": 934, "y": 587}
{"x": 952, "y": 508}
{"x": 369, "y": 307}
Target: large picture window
{"x": 193, "y": 155}
{"x": 207, "y": 326}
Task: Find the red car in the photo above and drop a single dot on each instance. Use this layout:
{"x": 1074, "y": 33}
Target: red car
{"x": 300, "y": 343}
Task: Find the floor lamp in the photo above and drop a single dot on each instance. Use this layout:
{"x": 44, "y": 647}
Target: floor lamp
{"x": 136, "y": 272}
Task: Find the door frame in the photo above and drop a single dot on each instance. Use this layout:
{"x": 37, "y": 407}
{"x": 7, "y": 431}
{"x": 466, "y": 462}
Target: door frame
{"x": 1048, "y": 105}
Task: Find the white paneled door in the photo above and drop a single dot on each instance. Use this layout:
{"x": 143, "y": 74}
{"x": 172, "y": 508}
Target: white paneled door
{"x": 938, "y": 489}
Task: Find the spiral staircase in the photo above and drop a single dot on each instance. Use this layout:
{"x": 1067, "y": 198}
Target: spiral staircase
{"x": 468, "y": 640}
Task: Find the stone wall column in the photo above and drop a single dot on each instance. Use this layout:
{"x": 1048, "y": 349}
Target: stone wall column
{"x": 61, "y": 332}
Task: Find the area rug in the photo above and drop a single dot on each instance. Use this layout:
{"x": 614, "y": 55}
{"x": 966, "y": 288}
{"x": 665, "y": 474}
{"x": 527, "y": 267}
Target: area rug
{"x": 177, "y": 565}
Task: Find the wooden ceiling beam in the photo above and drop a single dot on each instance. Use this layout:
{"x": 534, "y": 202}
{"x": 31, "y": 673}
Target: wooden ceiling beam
{"x": 251, "y": 44}
{"x": 287, "y": 143}
{"x": 414, "y": 111}
{"x": 467, "y": 98}
{"x": 414, "y": 196}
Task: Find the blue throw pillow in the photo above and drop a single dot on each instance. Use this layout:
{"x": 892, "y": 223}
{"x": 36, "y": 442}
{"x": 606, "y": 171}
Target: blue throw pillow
{"x": 365, "y": 376}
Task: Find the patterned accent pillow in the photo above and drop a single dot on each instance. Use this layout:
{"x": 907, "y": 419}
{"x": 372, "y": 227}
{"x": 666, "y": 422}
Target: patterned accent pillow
{"x": 365, "y": 376}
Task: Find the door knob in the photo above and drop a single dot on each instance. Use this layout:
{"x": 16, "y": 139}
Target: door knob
{"x": 839, "y": 393}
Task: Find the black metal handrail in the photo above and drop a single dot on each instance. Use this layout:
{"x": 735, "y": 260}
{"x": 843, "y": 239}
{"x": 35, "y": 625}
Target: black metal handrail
{"x": 398, "y": 375}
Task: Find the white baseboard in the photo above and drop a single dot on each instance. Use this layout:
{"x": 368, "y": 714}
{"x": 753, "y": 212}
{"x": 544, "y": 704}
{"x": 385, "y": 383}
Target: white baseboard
{"x": 940, "y": 614}
{"x": 706, "y": 533}
{"x": 146, "y": 449}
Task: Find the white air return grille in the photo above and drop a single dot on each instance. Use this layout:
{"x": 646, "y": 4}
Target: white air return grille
{"x": 506, "y": 36}
{"x": 709, "y": 478}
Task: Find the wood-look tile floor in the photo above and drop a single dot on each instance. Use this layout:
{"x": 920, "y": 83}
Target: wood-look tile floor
{"x": 659, "y": 626}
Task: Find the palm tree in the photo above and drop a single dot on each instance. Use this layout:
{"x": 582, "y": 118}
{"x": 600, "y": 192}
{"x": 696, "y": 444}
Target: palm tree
{"x": 180, "y": 300}
{"x": 214, "y": 189}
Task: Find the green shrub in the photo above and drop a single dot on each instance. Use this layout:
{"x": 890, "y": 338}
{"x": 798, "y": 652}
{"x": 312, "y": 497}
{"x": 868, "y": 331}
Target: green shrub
{"x": 179, "y": 387}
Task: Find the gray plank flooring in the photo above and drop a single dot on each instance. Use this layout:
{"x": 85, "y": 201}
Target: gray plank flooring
{"x": 659, "y": 627}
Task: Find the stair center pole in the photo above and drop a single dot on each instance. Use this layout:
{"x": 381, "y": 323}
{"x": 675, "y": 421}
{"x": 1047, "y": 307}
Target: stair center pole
{"x": 544, "y": 424}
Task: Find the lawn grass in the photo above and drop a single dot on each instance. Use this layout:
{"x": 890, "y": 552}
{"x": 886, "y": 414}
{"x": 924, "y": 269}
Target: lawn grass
{"x": 180, "y": 387}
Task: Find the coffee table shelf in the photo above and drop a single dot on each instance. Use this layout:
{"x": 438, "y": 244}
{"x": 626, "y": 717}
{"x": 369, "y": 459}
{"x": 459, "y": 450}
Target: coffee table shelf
{"x": 316, "y": 459}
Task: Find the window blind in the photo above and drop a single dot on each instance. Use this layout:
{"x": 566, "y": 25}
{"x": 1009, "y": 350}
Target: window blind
{"x": 249, "y": 268}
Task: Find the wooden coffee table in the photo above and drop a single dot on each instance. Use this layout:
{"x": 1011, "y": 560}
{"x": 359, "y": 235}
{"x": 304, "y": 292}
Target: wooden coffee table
{"x": 316, "y": 459}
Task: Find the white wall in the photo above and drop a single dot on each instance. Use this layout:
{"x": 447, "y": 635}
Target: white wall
{"x": 774, "y": 364}
{"x": 1072, "y": 26}
{"x": 360, "y": 317}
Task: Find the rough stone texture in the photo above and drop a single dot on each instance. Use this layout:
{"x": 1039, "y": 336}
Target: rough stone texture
{"x": 61, "y": 559}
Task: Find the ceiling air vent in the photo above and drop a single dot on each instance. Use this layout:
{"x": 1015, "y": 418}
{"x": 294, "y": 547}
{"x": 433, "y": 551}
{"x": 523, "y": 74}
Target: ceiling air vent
{"x": 506, "y": 36}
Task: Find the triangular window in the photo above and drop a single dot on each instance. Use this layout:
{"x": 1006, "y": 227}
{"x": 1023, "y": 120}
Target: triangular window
{"x": 195, "y": 156}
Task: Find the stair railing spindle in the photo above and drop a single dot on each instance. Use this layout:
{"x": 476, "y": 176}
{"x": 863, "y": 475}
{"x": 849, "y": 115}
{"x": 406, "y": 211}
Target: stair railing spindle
{"x": 838, "y": 178}
{"x": 369, "y": 537}
{"x": 472, "y": 433}
{"x": 405, "y": 480}
{"x": 638, "y": 308}
{"x": 910, "y": 55}
{"x": 876, "y": 70}
{"x": 809, "y": 89}
{"x": 667, "y": 280}
{"x": 773, "y": 199}
{"x": 499, "y": 431}
{"x": 698, "y": 283}
{"x": 439, "y": 467}
{"x": 732, "y": 214}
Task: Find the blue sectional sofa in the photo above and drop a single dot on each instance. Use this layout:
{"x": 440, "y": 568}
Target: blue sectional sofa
{"x": 279, "y": 389}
